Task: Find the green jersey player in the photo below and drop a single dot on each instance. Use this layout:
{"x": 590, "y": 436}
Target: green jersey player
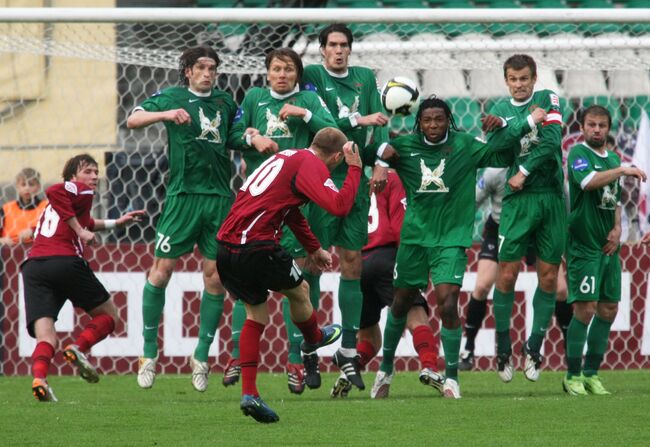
{"x": 270, "y": 119}
{"x": 437, "y": 165}
{"x": 351, "y": 95}
{"x": 533, "y": 210}
{"x": 593, "y": 262}
{"x": 198, "y": 120}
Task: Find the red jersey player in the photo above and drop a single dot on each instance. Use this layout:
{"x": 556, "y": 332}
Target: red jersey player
{"x": 55, "y": 270}
{"x": 251, "y": 261}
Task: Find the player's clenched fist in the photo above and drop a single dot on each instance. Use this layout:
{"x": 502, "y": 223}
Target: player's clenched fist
{"x": 375, "y": 119}
{"x": 178, "y": 116}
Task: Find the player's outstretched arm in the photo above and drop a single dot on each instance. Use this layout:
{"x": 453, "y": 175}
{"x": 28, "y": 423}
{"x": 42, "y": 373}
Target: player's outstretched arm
{"x": 606, "y": 177}
{"x": 124, "y": 220}
{"x": 142, "y": 118}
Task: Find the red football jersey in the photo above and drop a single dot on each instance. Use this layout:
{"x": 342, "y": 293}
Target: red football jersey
{"x": 386, "y": 213}
{"x": 53, "y": 236}
{"x": 273, "y": 192}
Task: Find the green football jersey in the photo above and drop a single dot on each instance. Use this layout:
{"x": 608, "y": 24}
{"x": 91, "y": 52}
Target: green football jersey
{"x": 348, "y": 96}
{"x": 199, "y": 162}
{"x": 260, "y": 110}
{"x": 539, "y": 150}
{"x": 440, "y": 184}
{"x": 593, "y": 213}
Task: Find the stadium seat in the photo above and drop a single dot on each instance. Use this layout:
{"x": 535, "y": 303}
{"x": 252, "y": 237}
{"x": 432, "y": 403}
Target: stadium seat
{"x": 445, "y": 83}
{"x": 255, "y": 3}
{"x": 485, "y": 74}
{"x": 423, "y": 58}
{"x": 624, "y": 83}
{"x": 378, "y": 59}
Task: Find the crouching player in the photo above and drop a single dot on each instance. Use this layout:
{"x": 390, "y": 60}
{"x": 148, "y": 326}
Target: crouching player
{"x": 55, "y": 271}
{"x": 251, "y": 261}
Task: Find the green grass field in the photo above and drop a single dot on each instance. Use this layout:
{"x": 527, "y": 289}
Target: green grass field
{"x": 116, "y": 412}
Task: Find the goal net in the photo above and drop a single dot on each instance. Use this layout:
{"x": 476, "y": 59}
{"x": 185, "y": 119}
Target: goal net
{"x": 71, "y": 77}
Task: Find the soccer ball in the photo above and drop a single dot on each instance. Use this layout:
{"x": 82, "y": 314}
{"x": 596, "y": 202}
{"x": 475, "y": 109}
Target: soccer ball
{"x": 399, "y": 95}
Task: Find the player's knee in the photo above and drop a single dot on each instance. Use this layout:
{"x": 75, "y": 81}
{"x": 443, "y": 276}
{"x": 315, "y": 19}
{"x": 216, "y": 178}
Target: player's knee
{"x": 401, "y": 305}
{"x": 448, "y": 311}
{"x": 350, "y": 264}
{"x": 507, "y": 278}
{"x": 584, "y": 311}
{"x": 607, "y": 311}
{"x": 481, "y": 292}
{"x": 160, "y": 274}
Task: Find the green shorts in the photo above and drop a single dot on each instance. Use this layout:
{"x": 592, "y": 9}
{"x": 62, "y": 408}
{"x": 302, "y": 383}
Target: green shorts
{"x": 537, "y": 219}
{"x": 349, "y": 232}
{"x": 414, "y": 263}
{"x": 592, "y": 275}
{"x": 189, "y": 219}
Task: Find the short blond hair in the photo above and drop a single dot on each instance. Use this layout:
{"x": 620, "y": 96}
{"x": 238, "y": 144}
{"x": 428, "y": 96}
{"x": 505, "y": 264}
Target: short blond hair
{"x": 329, "y": 140}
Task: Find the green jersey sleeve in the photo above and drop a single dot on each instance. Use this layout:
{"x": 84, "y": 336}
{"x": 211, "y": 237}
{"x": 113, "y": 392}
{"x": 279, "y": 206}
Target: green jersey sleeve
{"x": 492, "y": 153}
{"x": 580, "y": 168}
{"x": 158, "y": 102}
{"x": 320, "y": 114}
{"x": 380, "y": 133}
{"x": 242, "y": 121}
{"x": 550, "y": 134}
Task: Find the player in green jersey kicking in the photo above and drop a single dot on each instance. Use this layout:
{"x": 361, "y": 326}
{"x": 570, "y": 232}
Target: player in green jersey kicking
{"x": 276, "y": 118}
{"x": 594, "y": 265}
{"x": 533, "y": 210}
{"x": 198, "y": 120}
{"x": 437, "y": 165}
{"x": 351, "y": 95}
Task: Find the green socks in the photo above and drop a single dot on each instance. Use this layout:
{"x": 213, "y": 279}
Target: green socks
{"x": 451, "y": 344}
{"x": 575, "y": 344}
{"x": 238, "y": 319}
{"x": 293, "y": 334}
{"x": 503, "y": 303}
{"x": 392, "y": 334}
{"x": 210, "y": 311}
{"x": 543, "y": 308}
{"x": 596, "y": 345}
{"x": 350, "y": 302}
{"x": 153, "y": 302}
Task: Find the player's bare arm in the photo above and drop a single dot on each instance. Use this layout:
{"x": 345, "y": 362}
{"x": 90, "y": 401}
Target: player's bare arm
{"x": 143, "y": 118}
{"x": 321, "y": 259}
{"x": 614, "y": 236}
{"x": 606, "y": 177}
{"x": 86, "y": 236}
{"x": 374, "y": 119}
{"x": 264, "y": 145}
{"x": 124, "y": 220}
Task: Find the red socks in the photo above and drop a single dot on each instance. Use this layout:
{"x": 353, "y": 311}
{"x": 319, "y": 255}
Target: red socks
{"x": 310, "y": 330}
{"x": 426, "y": 347}
{"x": 249, "y": 354}
{"x": 41, "y": 358}
{"x": 95, "y": 331}
{"x": 366, "y": 352}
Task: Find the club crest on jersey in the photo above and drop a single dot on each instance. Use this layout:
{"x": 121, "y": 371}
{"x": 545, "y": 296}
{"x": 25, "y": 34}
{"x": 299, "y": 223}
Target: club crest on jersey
{"x": 555, "y": 100}
{"x": 608, "y": 199}
{"x": 527, "y": 141}
{"x": 275, "y": 127}
{"x": 329, "y": 183}
{"x": 209, "y": 127}
{"x": 580, "y": 164}
{"x": 432, "y": 177}
{"x": 345, "y": 111}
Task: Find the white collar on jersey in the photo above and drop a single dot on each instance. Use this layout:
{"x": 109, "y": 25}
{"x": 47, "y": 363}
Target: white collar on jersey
{"x": 202, "y": 95}
{"x": 336, "y": 75}
{"x": 276, "y": 95}
{"x": 596, "y": 151}
{"x": 521, "y": 103}
{"x": 429, "y": 143}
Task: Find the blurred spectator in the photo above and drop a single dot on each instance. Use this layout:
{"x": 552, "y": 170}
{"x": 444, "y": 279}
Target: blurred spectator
{"x": 18, "y": 218}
